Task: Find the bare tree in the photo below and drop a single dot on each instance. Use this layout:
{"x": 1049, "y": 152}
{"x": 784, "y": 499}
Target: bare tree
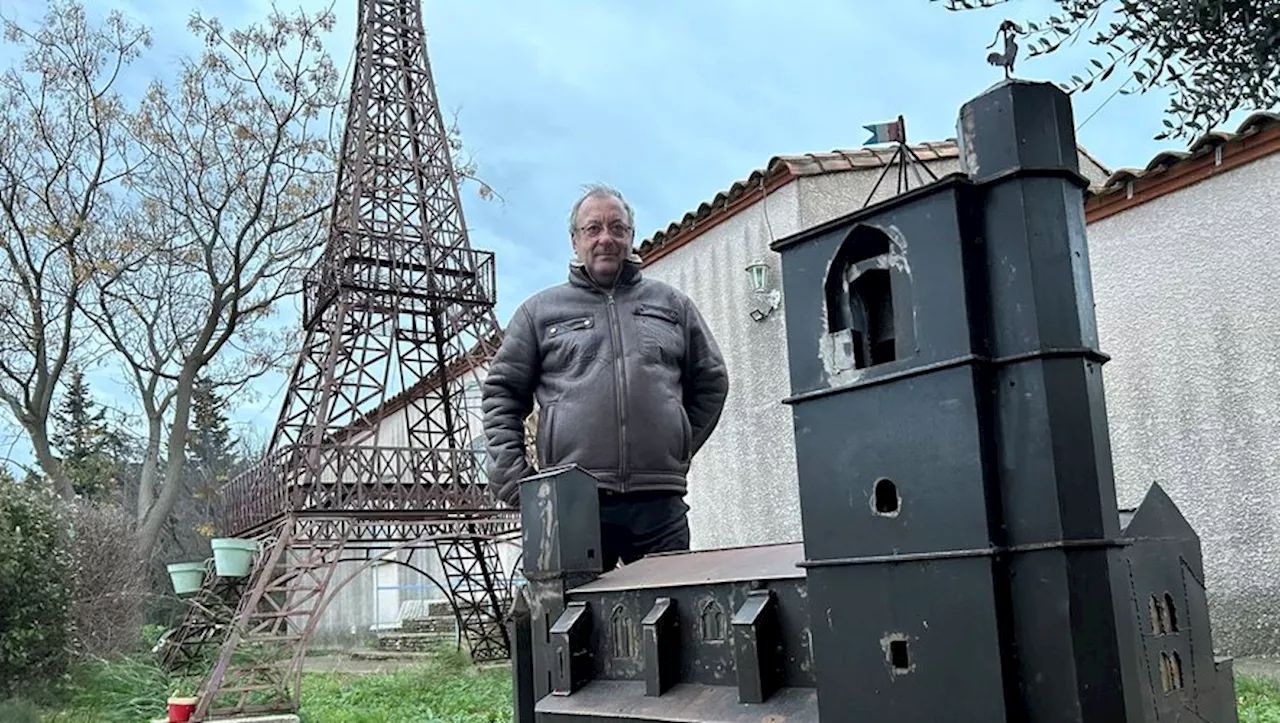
{"x": 63, "y": 154}
{"x": 229, "y": 206}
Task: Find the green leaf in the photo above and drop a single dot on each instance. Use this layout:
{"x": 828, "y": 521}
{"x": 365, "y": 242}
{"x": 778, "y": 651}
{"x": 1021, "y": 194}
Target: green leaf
{"x": 1214, "y": 60}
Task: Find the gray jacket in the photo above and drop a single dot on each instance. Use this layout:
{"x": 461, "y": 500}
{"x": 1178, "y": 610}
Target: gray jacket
{"x": 629, "y": 384}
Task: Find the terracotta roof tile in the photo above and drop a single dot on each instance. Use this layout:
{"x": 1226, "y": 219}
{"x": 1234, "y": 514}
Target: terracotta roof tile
{"x": 781, "y": 169}
{"x": 1162, "y": 161}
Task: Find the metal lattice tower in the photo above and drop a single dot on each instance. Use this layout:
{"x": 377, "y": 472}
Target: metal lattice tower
{"x": 372, "y": 449}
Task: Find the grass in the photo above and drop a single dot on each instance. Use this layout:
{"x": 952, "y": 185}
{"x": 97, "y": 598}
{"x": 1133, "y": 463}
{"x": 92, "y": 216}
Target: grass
{"x": 131, "y": 690}
{"x": 1257, "y": 699}
{"x": 444, "y": 689}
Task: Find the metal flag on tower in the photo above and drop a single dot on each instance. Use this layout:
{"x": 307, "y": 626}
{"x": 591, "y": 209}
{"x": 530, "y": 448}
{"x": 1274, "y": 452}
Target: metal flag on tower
{"x": 892, "y": 132}
{"x": 896, "y": 132}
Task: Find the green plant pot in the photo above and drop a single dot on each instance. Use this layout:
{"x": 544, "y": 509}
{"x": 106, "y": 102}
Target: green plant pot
{"x": 186, "y": 577}
{"x": 233, "y": 557}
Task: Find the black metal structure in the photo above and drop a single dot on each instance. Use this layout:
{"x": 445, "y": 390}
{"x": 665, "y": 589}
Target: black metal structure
{"x": 963, "y": 556}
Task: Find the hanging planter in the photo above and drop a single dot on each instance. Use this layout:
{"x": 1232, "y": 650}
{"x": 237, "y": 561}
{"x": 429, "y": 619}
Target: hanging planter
{"x": 233, "y": 557}
{"x": 186, "y": 576}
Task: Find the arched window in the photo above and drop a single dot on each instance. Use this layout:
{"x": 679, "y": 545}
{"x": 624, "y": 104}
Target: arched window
{"x": 1171, "y": 614}
{"x": 1164, "y": 615}
{"x": 622, "y": 633}
{"x": 885, "y": 498}
{"x": 712, "y": 622}
{"x": 1170, "y": 672}
{"x": 860, "y": 297}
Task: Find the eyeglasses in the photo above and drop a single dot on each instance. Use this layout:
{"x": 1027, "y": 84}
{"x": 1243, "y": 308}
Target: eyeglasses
{"x": 617, "y": 229}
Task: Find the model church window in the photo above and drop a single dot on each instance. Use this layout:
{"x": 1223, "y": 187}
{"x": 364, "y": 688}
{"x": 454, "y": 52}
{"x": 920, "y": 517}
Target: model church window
{"x": 623, "y": 633}
{"x": 712, "y": 622}
{"x": 1164, "y": 615}
{"x": 1170, "y": 614}
{"x": 1170, "y": 672}
{"x": 860, "y": 298}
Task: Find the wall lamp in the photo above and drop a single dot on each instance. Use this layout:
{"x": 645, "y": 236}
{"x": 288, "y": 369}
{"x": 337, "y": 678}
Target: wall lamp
{"x": 766, "y": 298}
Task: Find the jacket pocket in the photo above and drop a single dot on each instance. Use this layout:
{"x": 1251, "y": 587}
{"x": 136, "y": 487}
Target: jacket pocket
{"x": 546, "y": 434}
{"x": 570, "y": 346}
{"x": 558, "y": 328}
{"x": 686, "y": 436}
{"x": 661, "y": 334}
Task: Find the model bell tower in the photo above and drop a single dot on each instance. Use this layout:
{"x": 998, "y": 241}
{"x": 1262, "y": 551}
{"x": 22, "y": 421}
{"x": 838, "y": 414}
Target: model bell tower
{"x": 963, "y": 558}
{"x": 959, "y": 515}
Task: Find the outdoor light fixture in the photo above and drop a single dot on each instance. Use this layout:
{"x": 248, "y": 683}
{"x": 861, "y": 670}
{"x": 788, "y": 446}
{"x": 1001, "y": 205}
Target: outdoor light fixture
{"x": 767, "y": 299}
{"x": 758, "y": 271}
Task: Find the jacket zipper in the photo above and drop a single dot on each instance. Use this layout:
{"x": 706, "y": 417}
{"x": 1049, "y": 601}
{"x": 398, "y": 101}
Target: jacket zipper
{"x": 620, "y": 384}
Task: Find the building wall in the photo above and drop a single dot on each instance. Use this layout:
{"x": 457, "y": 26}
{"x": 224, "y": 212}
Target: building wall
{"x": 1187, "y": 289}
{"x": 742, "y": 485}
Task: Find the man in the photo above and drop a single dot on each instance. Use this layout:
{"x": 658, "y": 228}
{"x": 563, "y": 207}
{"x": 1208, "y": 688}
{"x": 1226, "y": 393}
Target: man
{"x": 628, "y": 379}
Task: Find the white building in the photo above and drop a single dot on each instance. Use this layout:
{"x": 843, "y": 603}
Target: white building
{"x": 1186, "y": 268}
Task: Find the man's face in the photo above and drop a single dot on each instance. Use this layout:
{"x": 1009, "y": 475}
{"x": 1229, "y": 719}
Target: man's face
{"x": 602, "y": 239}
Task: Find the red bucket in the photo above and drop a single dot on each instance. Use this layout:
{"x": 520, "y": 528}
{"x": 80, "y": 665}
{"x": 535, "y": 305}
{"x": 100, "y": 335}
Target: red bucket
{"x": 180, "y": 709}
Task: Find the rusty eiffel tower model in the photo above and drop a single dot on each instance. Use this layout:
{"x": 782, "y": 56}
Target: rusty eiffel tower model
{"x": 372, "y": 451}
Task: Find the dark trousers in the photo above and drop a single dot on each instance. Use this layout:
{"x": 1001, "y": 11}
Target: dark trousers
{"x": 636, "y": 524}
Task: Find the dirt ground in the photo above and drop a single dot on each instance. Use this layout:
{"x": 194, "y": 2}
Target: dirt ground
{"x": 362, "y": 662}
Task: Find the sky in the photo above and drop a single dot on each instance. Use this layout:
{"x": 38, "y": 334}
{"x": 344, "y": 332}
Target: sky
{"x": 670, "y": 101}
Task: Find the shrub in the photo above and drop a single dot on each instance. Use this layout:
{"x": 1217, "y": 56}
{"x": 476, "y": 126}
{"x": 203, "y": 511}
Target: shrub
{"x": 109, "y": 591}
{"x": 128, "y": 690}
{"x": 19, "y": 711}
{"x": 35, "y": 568}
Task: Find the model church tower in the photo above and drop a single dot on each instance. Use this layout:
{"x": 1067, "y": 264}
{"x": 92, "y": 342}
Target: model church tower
{"x": 963, "y": 558}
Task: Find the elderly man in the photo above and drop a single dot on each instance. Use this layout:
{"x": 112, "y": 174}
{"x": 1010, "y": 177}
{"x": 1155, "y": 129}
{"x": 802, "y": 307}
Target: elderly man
{"x": 628, "y": 379}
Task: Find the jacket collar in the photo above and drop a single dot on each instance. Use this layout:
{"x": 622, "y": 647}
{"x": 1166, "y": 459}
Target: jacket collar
{"x": 628, "y": 275}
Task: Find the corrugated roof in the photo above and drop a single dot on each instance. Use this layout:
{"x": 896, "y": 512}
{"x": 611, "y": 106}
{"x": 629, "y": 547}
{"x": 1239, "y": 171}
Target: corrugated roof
{"x": 782, "y": 169}
{"x": 1164, "y": 160}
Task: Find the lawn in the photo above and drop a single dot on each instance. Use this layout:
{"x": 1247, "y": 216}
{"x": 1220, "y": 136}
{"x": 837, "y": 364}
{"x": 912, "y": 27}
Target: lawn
{"x": 1258, "y": 699}
{"x": 443, "y": 690}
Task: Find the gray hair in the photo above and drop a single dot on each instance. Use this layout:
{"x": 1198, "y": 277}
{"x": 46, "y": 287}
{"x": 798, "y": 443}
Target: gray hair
{"x": 597, "y": 190}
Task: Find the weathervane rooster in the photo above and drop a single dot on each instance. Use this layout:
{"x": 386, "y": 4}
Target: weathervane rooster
{"x": 1010, "y": 30}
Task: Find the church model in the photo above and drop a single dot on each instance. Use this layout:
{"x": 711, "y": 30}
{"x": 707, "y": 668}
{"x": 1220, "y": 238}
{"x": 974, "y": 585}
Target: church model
{"x": 963, "y": 558}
